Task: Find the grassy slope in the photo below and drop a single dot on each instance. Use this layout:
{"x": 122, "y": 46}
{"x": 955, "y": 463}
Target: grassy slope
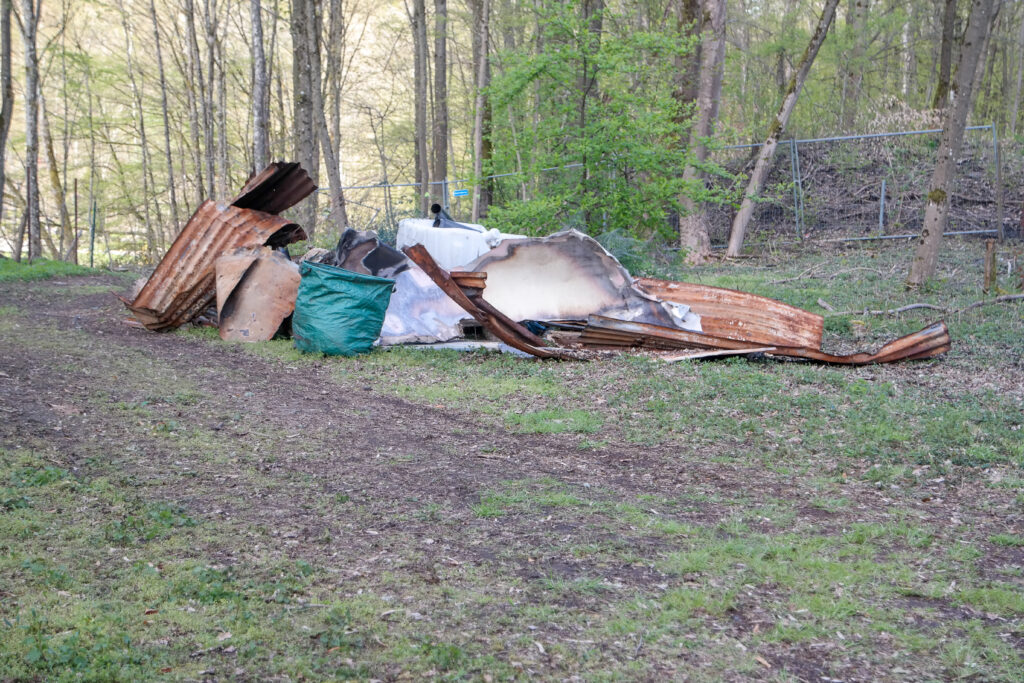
{"x": 102, "y": 581}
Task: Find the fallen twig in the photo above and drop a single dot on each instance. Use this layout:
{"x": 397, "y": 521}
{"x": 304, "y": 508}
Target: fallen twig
{"x": 890, "y": 311}
{"x": 1006, "y": 298}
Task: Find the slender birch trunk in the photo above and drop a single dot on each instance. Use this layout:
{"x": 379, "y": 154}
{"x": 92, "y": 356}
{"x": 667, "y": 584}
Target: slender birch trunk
{"x": 7, "y": 92}
{"x": 29, "y": 22}
{"x": 171, "y": 180}
{"x": 764, "y": 157}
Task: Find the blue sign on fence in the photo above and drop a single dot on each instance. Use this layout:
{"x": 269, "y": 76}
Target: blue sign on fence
{"x": 460, "y": 193}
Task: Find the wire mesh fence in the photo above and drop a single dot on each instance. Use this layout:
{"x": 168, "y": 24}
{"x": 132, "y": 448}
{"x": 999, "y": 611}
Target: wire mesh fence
{"x": 849, "y": 187}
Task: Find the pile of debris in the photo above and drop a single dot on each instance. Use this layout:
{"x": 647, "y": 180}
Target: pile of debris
{"x": 562, "y": 296}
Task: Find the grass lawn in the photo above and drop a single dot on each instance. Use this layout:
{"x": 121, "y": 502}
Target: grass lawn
{"x": 174, "y": 507}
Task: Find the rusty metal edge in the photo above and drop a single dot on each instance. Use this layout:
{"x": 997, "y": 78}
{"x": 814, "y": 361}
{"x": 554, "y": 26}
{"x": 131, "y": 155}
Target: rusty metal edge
{"x": 508, "y": 331}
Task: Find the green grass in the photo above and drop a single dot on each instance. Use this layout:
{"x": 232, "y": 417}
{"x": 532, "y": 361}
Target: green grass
{"x": 40, "y": 269}
{"x": 626, "y": 519}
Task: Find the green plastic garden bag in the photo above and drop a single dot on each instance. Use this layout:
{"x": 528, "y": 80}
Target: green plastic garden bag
{"x": 338, "y": 312}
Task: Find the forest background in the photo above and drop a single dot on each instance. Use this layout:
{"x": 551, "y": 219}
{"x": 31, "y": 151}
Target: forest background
{"x": 143, "y": 109}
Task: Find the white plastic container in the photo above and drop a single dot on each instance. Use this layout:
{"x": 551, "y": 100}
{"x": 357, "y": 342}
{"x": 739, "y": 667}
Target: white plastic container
{"x": 450, "y": 247}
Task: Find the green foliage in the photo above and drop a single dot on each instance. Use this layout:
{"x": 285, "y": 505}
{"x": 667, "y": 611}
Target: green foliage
{"x": 39, "y": 269}
{"x": 604, "y": 102}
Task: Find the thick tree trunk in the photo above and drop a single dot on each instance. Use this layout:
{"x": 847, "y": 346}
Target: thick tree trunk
{"x": 260, "y": 92}
{"x": 693, "y": 224}
{"x": 29, "y": 22}
{"x": 6, "y": 92}
{"x": 936, "y": 212}
{"x": 439, "y": 171}
{"x": 306, "y": 148}
{"x": 420, "y": 57}
{"x": 482, "y": 19}
{"x": 945, "y": 54}
{"x": 210, "y": 93}
{"x": 764, "y": 157}
{"x": 339, "y": 212}
{"x": 171, "y": 181}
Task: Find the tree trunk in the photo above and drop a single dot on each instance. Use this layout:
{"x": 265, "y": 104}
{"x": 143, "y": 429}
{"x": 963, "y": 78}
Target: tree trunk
{"x": 209, "y": 93}
{"x": 945, "y": 55}
{"x": 29, "y": 22}
{"x": 171, "y": 182}
{"x": 693, "y": 224}
{"x": 152, "y": 248}
{"x": 420, "y": 57}
{"x": 306, "y": 148}
{"x": 196, "y": 99}
{"x": 67, "y": 233}
{"x": 1015, "y": 107}
{"x": 764, "y": 157}
{"x": 260, "y": 92}
{"x": 481, "y": 24}
{"x": 439, "y": 171}
{"x": 339, "y": 212}
{"x": 857, "y": 24}
{"x": 936, "y": 212}
{"x": 7, "y": 93}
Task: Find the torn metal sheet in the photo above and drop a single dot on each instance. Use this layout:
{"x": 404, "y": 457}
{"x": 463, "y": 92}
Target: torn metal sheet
{"x": 470, "y": 299}
{"x": 182, "y": 286}
{"x": 570, "y": 276}
{"x": 738, "y": 315}
{"x": 602, "y": 332}
{"x": 278, "y": 187}
{"x": 256, "y": 291}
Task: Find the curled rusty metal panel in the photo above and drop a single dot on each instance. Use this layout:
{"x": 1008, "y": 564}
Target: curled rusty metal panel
{"x": 603, "y": 332}
{"x": 182, "y": 286}
{"x": 279, "y": 186}
{"x": 738, "y": 315}
{"x": 256, "y": 290}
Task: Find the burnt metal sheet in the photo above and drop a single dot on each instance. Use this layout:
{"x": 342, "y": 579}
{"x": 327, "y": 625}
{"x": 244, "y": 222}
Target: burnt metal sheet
{"x": 602, "y": 332}
{"x": 281, "y": 185}
{"x": 256, "y": 290}
{"x": 738, "y": 315}
{"x": 182, "y": 286}
{"x": 569, "y": 276}
{"x": 470, "y": 299}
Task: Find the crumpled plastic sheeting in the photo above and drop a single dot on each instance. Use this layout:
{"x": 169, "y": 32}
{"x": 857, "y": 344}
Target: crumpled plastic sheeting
{"x": 419, "y": 312}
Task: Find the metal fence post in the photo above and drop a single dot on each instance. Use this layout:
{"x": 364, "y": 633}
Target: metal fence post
{"x": 796, "y": 199}
{"x": 999, "y": 182}
{"x": 446, "y": 202}
{"x": 799, "y": 185}
{"x": 881, "y": 210}
{"x": 92, "y": 233}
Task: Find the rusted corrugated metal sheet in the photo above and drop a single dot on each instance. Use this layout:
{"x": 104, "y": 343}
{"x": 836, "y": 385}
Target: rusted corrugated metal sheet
{"x": 738, "y": 315}
{"x": 182, "y": 286}
{"x": 603, "y": 332}
{"x": 279, "y": 186}
{"x": 256, "y": 290}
